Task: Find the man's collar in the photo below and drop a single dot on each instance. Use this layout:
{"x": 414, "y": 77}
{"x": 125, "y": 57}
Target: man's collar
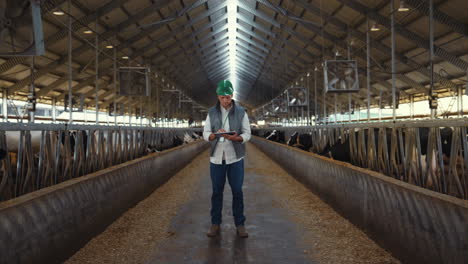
{"x": 227, "y": 109}
{"x": 233, "y": 104}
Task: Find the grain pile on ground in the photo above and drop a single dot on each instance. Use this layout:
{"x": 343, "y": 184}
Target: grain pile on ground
{"x": 139, "y": 230}
{"x": 330, "y": 237}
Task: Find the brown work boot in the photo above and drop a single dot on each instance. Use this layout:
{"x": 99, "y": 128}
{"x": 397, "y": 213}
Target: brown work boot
{"x": 241, "y": 232}
{"x": 214, "y": 231}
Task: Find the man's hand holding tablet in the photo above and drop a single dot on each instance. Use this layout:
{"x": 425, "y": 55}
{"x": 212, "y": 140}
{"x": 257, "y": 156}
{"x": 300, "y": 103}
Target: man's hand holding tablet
{"x": 229, "y": 135}
{"x": 219, "y": 134}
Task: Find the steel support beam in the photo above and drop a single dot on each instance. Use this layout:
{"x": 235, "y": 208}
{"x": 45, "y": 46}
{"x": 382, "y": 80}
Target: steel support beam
{"x": 439, "y": 16}
{"x": 377, "y": 45}
{"x": 405, "y": 32}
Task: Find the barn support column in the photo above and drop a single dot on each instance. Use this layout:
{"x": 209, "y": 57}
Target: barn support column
{"x": 358, "y": 109}
{"x": 302, "y": 116}
{"x": 32, "y": 94}
{"x": 460, "y": 101}
{"x": 412, "y": 106}
{"x": 392, "y": 11}
{"x": 315, "y": 91}
{"x": 308, "y": 100}
{"x": 433, "y": 105}
{"x": 368, "y": 69}
{"x": 70, "y": 72}
{"x": 349, "y": 95}
{"x": 130, "y": 116}
{"x": 336, "y": 108}
{"x": 5, "y": 104}
{"x": 115, "y": 85}
{"x": 85, "y": 112}
{"x": 324, "y": 105}
{"x": 96, "y": 84}
{"x": 54, "y": 110}
{"x": 380, "y": 105}
{"x": 141, "y": 111}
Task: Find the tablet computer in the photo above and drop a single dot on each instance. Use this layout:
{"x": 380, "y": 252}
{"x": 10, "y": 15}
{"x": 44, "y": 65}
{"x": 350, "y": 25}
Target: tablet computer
{"x": 225, "y": 133}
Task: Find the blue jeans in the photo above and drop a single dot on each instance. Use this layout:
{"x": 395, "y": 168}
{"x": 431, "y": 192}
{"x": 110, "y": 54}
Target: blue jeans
{"x": 235, "y": 175}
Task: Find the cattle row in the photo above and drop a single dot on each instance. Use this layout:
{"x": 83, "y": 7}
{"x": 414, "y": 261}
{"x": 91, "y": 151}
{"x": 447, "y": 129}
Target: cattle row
{"x": 31, "y": 160}
{"x": 430, "y": 157}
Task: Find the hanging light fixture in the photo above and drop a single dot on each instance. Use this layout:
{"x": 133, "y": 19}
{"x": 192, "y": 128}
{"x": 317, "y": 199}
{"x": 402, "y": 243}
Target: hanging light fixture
{"x": 125, "y": 57}
{"x": 88, "y": 31}
{"x": 109, "y": 47}
{"x": 403, "y": 7}
{"x": 58, "y": 13}
{"x": 374, "y": 27}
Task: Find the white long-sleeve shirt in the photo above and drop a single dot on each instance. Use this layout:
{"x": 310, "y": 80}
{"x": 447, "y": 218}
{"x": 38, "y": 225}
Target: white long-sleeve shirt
{"x": 224, "y": 149}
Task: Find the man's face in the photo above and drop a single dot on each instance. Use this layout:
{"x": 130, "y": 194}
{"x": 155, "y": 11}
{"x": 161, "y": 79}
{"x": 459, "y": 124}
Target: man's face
{"x": 225, "y": 100}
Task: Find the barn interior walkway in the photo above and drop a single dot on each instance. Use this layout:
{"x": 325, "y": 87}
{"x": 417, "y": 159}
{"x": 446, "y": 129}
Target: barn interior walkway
{"x": 286, "y": 224}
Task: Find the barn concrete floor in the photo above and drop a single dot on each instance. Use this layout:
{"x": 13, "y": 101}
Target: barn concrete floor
{"x": 286, "y": 224}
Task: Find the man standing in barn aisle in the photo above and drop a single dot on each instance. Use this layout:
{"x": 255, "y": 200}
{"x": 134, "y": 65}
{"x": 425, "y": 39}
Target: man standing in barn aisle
{"x": 227, "y": 155}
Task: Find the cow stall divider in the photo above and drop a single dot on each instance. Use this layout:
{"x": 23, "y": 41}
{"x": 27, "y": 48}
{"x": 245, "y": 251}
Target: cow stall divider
{"x": 426, "y": 153}
{"x": 41, "y": 155}
{"x": 415, "y": 224}
{"x": 50, "y": 224}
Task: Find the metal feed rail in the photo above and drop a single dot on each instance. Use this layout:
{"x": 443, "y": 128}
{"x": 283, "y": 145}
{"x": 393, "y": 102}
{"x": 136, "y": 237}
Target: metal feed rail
{"x": 41, "y": 155}
{"x": 394, "y": 149}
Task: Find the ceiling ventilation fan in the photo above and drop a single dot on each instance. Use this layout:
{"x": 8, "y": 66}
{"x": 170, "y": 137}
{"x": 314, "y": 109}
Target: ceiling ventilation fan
{"x": 297, "y": 96}
{"x": 134, "y": 81}
{"x": 280, "y": 104}
{"x": 20, "y": 28}
{"x": 341, "y": 76}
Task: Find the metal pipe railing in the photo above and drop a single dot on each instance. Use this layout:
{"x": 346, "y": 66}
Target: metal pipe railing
{"x": 426, "y": 153}
{"x": 34, "y": 156}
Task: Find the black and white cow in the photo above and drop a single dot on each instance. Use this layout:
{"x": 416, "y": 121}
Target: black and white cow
{"x": 3, "y": 154}
{"x": 301, "y": 141}
{"x": 341, "y": 151}
{"x": 338, "y": 151}
{"x": 275, "y": 135}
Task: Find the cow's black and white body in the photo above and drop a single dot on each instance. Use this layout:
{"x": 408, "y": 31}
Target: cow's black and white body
{"x": 275, "y": 135}
{"x": 301, "y": 141}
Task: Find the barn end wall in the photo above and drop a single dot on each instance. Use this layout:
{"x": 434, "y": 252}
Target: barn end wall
{"x": 416, "y": 225}
{"x": 49, "y": 225}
